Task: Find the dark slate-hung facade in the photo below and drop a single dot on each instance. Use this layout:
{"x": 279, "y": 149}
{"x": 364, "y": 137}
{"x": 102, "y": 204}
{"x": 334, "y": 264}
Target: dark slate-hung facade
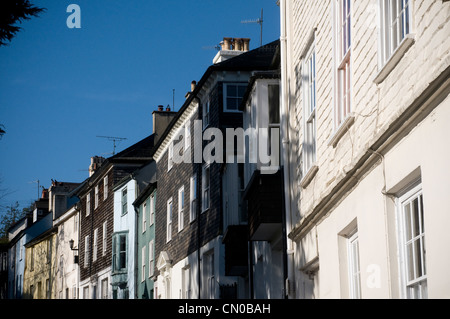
{"x": 198, "y": 202}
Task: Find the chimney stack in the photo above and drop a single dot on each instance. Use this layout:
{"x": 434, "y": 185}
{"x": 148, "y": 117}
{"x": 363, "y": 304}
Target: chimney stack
{"x": 96, "y": 162}
{"x": 160, "y": 108}
{"x": 231, "y": 47}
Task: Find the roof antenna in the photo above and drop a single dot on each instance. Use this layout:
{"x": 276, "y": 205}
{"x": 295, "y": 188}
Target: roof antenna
{"x": 173, "y": 103}
{"x": 114, "y": 139}
{"x": 258, "y": 21}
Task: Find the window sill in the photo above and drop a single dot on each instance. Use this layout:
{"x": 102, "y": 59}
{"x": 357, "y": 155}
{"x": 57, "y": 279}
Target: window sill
{"x": 343, "y": 128}
{"x": 309, "y": 176}
{"x": 395, "y": 58}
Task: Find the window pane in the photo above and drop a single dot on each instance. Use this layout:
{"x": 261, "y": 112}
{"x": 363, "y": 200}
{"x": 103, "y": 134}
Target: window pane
{"x": 424, "y": 256}
{"x": 407, "y": 210}
{"x": 274, "y": 104}
{"x": 418, "y": 259}
{"x": 241, "y": 90}
{"x": 232, "y": 90}
{"x": 410, "y": 261}
{"x": 415, "y": 216}
{"x": 421, "y": 212}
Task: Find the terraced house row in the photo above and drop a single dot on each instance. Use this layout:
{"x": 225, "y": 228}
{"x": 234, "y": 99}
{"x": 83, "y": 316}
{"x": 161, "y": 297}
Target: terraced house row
{"x": 348, "y": 113}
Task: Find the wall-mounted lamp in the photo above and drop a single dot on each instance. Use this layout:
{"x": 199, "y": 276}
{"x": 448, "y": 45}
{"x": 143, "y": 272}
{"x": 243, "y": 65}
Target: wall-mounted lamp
{"x": 71, "y": 242}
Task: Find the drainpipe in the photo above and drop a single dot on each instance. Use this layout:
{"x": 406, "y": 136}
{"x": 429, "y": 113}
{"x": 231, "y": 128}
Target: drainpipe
{"x": 136, "y": 248}
{"x": 285, "y": 141}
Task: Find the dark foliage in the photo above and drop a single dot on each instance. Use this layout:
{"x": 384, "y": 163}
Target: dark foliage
{"x": 13, "y": 12}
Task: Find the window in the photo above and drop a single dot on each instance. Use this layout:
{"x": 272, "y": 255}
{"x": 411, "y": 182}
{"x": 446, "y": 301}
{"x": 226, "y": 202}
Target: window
{"x": 193, "y": 199}
{"x": 94, "y": 257}
{"x": 105, "y": 238}
{"x": 309, "y": 94}
{"x": 412, "y": 241}
{"x": 143, "y": 263}
{"x": 151, "y": 258}
{"x": 205, "y": 116}
{"x": 354, "y": 269}
{"x": 86, "y": 292}
{"x": 120, "y": 252}
{"x": 186, "y": 281}
{"x": 88, "y": 204}
{"x": 233, "y": 94}
{"x": 144, "y": 217}
{"x": 208, "y": 265}
{"x": 343, "y": 61}
{"x": 152, "y": 209}
{"x": 205, "y": 187}
{"x": 104, "y": 288}
{"x": 124, "y": 201}
{"x": 274, "y": 112}
{"x": 32, "y": 259}
{"x": 170, "y": 157}
{"x": 169, "y": 220}
{"x": 105, "y": 188}
{"x": 181, "y": 208}
{"x": 395, "y": 22}
{"x": 96, "y": 197}
{"x": 86, "y": 251}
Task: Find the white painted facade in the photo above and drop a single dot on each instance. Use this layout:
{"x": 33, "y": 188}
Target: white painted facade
{"x": 388, "y": 158}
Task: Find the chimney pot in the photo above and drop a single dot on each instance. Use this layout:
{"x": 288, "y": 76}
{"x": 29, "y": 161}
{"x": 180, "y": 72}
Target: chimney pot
{"x": 160, "y": 108}
{"x": 246, "y": 44}
{"x": 237, "y": 44}
{"x": 193, "y": 85}
{"x": 168, "y": 108}
{"x": 226, "y": 44}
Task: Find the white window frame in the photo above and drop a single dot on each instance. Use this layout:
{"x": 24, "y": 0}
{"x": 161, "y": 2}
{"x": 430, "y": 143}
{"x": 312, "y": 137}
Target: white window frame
{"x": 209, "y": 274}
{"x": 310, "y": 107}
{"x": 105, "y": 188}
{"x": 393, "y": 33}
{"x": 193, "y": 199}
{"x": 225, "y": 96}
{"x": 144, "y": 216}
{"x": 420, "y": 282}
{"x": 104, "y": 237}
{"x": 181, "y": 199}
{"x": 169, "y": 220}
{"x": 88, "y": 204}
{"x": 151, "y": 258}
{"x": 354, "y": 270}
{"x": 96, "y": 197}
{"x": 152, "y": 209}
{"x": 186, "y": 282}
{"x": 86, "y": 250}
{"x": 124, "y": 201}
{"x": 95, "y": 248}
{"x": 206, "y": 191}
{"x": 343, "y": 61}
{"x": 143, "y": 259}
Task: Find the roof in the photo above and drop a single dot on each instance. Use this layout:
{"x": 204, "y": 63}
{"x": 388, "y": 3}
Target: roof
{"x": 261, "y": 59}
{"x": 141, "y": 150}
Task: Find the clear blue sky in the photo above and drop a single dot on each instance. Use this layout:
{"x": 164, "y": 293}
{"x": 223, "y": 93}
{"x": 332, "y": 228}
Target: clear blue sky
{"x": 61, "y": 87}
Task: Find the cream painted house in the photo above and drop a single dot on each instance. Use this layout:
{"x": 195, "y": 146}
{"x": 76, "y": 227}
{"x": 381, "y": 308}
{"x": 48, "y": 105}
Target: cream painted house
{"x": 365, "y": 112}
{"x": 67, "y": 273}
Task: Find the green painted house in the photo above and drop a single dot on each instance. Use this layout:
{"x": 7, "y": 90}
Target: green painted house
{"x": 145, "y": 236}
